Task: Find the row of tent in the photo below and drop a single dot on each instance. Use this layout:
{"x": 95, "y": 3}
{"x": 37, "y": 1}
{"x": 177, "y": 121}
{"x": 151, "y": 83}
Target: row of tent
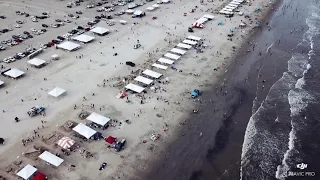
{"x": 228, "y": 9}
{"x": 168, "y": 59}
{"x": 199, "y": 23}
{"x": 71, "y": 46}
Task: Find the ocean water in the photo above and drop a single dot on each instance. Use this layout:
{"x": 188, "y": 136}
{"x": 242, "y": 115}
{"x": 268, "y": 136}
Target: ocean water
{"x": 283, "y": 130}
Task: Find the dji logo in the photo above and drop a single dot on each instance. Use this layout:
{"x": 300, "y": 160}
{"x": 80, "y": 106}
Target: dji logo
{"x": 302, "y": 166}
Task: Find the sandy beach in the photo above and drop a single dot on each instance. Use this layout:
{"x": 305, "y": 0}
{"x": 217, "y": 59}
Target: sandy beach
{"x": 162, "y": 112}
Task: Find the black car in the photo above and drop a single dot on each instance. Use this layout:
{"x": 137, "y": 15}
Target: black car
{"x": 44, "y": 13}
{"x": 27, "y": 15}
{"x": 97, "y": 17}
{"x": 99, "y": 4}
{"x": 19, "y": 22}
{"x": 80, "y": 27}
{"x": 55, "y": 41}
{"x": 17, "y": 57}
{"x": 58, "y": 20}
{"x": 96, "y": 21}
{"x": 30, "y": 36}
{"x": 90, "y": 23}
{"x": 61, "y": 38}
{"x": 26, "y": 32}
{"x": 119, "y": 145}
{"x": 15, "y": 37}
{"x": 78, "y": 12}
{"x": 2, "y": 17}
{"x": 43, "y": 30}
{"x": 129, "y": 63}
{"x": 109, "y": 17}
{"x": 45, "y": 26}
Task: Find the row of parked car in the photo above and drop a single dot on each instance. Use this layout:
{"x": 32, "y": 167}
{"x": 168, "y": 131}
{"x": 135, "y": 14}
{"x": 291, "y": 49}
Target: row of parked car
{"x": 19, "y": 56}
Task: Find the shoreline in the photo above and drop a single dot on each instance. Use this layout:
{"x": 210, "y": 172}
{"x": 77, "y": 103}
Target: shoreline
{"x": 174, "y": 112}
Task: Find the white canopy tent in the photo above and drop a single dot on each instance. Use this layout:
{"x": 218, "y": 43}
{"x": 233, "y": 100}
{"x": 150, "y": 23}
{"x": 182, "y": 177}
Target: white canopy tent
{"x": 152, "y": 73}
{"x": 1, "y": 83}
{"x": 66, "y": 142}
{"x": 135, "y": 88}
{"x": 56, "y": 92}
{"x": 233, "y": 5}
{"x": 150, "y": 8}
{"x": 14, "y": 73}
{"x": 208, "y": 16}
{"x": 239, "y": 1}
{"x": 165, "y": 61}
{"x": 36, "y": 62}
{"x": 51, "y": 158}
{"x": 160, "y": 66}
{"x": 84, "y": 130}
{"x": 194, "y": 38}
{"x": 156, "y": 6}
{"x": 172, "y": 56}
{"x": 166, "y": 1}
{"x": 83, "y": 38}
{"x": 227, "y": 9}
{"x": 186, "y": 41}
{"x": 100, "y": 30}
{"x": 230, "y": 7}
{"x": 178, "y": 51}
{"x": 69, "y": 46}
{"x": 98, "y": 119}
{"x": 143, "y": 80}
{"x": 184, "y": 46}
{"x": 27, "y": 171}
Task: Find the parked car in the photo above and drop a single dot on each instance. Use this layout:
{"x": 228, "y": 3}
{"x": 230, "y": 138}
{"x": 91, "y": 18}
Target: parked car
{"x": 19, "y": 22}
{"x": 78, "y": 12}
{"x": 119, "y": 145}
{"x": 45, "y": 26}
{"x": 2, "y": 17}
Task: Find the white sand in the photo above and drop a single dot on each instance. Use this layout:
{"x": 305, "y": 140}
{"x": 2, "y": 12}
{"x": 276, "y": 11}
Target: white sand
{"x": 79, "y": 77}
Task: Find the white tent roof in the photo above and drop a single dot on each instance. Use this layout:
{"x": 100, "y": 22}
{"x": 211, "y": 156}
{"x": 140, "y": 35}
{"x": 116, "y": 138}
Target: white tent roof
{"x": 14, "y": 73}
{"x": 194, "y": 38}
{"x": 56, "y": 92}
{"x": 189, "y": 42}
{"x": 84, "y": 130}
{"x": 172, "y": 56}
{"x": 143, "y": 80}
{"x": 68, "y": 45}
{"x": 165, "y": 61}
{"x": 155, "y": 5}
{"x": 239, "y": 1}
{"x": 178, "y": 51}
{"x": 233, "y": 5}
{"x": 83, "y": 38}
{"x": 51, "y": 158}
{"x": 123, "y": 21}
{"x": 230, "y": 7}
{"x": 27, "y": 171}
{"x": 99, "y": 30}
{"x": 234, "y": 2}
{"x": 160, "y": 66}
{"x": 36, "y": 62}
{"x": 202, "y": 20}
{"x": 1, "y": 82}
{"x": 98, "y": 119}
{"x": 208, "y": 16}
{"x": 165, "y": 1}
{"x": 185, "y": 46}
{"x": 66, "y": 142}
{"x": 225, "y": 12}
{"x": 135, "y": 88}
{"x": 152, "y": 73}
{"x": 150, "y": 8}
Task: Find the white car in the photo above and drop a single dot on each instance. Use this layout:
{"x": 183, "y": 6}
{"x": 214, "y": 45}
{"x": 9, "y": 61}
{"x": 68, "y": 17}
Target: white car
{"x": 61, "y": 23}
{"x": 34, "y": 20}
{"x": 54, "y": 26}
{"x": 33, "y": 30}
{"x": 40, "y": 32}
{"x": 17, "y": 26}
{"x": 21, "y": 55}
{"x": 67, "y": 21}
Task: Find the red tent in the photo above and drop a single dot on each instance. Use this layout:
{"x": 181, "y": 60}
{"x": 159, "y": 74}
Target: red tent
{"x": 39, "y": 176}
{"x": 111, "y": 139}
